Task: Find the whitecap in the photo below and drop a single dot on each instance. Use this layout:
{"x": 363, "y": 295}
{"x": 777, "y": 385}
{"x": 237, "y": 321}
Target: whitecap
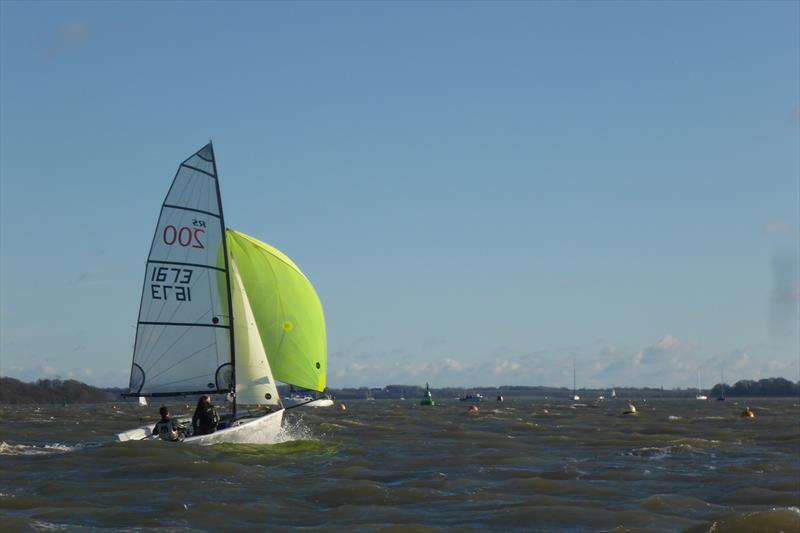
{"x": 38, "y": 449}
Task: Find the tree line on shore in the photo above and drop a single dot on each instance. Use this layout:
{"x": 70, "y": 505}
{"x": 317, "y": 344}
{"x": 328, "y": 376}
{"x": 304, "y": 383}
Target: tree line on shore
{"x": 56, "y": 391}
{"x": 14, "y": 391}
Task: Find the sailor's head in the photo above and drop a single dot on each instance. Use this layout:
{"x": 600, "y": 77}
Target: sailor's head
{"x": 164, "y": 411}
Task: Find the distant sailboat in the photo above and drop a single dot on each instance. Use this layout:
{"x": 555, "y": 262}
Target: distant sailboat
{"x": 575, "y": 396}
{"x": 142, "y": 401}
{"x": 222, "y": 313}
{"x": 700, "y": 395}
{"x": 721, "y": 397}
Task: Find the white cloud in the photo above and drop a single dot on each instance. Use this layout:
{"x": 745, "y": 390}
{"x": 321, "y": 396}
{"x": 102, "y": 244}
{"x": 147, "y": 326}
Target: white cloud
{"x": 504, "y": 367}
{"x": 69, "y": 35}
{"x": 779, "y": 228}
{"x": 452, "y": 364}
{"x": 73, "y": 33}
{"x": 670, "y": 361}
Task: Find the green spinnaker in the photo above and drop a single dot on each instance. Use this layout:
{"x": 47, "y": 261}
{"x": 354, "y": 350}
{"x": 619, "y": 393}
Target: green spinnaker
{"x": 287, "y": 311}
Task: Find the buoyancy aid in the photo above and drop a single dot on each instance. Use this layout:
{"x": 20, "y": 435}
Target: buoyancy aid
{"x": 166, "y": 430}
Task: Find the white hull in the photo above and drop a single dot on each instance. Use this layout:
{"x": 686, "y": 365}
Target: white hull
{"x": 307, "y": 402}
{"x": 262, "y": 430}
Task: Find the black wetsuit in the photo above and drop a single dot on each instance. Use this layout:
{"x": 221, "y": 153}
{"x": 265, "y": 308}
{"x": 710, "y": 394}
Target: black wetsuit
{"x": 205, "y": 420}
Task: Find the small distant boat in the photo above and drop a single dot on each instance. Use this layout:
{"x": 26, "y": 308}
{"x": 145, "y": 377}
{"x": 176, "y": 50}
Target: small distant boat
{"x": 721, "y": 397}
{"x": 699, "y": 395}
{"x": 613, "y": 393}
{"x": 472, "y": 397}
{"x": 296, "y": 398}
{"x": 575, "y": 396}
{"x": 427, "y": 399}
{"x": 630, "y": 410}
{"x": 308, "y": 401}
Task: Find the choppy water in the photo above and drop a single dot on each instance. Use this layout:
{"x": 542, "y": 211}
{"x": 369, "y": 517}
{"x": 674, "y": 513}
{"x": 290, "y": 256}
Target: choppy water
{"x": 532, "y": 465}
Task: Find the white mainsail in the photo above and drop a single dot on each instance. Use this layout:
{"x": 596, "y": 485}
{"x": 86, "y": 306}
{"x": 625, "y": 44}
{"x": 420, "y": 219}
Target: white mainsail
{"x": 254, "y": 382}
{"x": 183, "y": 336}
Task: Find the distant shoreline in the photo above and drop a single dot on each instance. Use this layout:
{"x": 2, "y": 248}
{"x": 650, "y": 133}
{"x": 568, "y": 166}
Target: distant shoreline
{"x": 56, "y": 391}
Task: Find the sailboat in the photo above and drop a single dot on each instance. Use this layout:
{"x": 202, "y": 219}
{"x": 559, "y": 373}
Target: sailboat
{"x": 222, "y": 313}
{"x": 575, "y": 396}
{"x": 700, "y": 395}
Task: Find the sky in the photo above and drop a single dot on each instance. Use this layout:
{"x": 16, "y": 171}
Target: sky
{"x": 481, "y": 193}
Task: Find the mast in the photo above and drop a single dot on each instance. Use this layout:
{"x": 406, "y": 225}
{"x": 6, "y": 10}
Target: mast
{"x": 227, "y": 279}
{"x": 574, "y": 382}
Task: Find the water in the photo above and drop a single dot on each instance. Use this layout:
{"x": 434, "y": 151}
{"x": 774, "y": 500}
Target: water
{"x": 522, "y": 465}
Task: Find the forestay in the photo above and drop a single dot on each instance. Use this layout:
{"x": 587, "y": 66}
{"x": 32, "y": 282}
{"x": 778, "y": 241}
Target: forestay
{"x": 183, "y": 337}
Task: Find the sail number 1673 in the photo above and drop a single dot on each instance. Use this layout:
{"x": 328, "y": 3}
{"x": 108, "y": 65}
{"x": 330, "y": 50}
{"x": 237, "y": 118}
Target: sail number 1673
{"x": 178, "y": 284}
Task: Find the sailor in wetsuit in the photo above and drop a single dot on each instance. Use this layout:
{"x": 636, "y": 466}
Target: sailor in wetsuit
{"x": 205, "y": 418}
{"x": 167, "y": 428}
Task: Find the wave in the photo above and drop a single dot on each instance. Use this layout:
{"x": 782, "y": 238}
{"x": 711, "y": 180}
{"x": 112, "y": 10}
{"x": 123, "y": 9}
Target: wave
{"x": 655, "y": 452}
{"x": 37, "y": 449}
{"x": 775, "y": 519}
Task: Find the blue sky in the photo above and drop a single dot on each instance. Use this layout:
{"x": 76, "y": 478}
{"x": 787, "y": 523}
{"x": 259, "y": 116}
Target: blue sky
{"x": 480, "y": 192}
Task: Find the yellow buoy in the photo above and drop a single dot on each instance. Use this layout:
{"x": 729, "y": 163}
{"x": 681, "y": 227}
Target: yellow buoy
{"x": 342, "y": 407}
{"x": 748, "y": 413}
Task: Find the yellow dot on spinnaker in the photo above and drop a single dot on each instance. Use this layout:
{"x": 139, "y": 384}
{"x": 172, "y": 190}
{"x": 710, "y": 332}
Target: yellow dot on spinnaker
{"x": 287, "y": 326}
